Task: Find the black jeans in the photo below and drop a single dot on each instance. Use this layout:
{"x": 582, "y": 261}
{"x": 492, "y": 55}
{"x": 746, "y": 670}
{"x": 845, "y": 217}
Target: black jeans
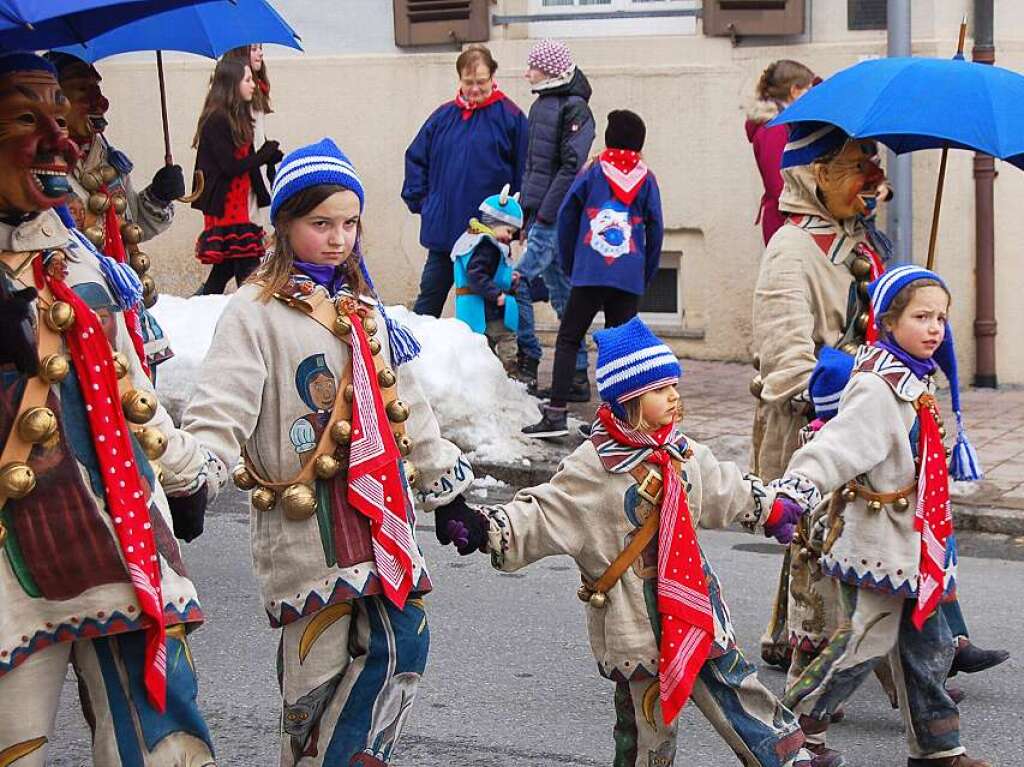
{"x": 221, "y": 274}
{"x": 435, "y": 282}
{"x": 583, "y": 305}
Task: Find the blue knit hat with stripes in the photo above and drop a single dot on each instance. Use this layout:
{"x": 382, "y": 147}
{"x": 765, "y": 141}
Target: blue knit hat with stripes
{"x": 963, "y": 463}
{"x": 828, "y": 380}
{"x": 313, "y": 165}
{"x": 810, "y": 140}
{"x": 632, "y": 360}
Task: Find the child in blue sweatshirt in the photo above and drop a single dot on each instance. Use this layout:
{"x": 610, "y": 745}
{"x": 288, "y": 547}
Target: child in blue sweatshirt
{"x": 610, "y": 230}
{"x": 484, "y": 281}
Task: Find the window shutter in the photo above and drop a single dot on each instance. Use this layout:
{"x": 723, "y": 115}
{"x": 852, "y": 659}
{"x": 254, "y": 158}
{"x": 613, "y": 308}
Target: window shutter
{"x": 741, "y": 18}
{"x": 436, "y": 22}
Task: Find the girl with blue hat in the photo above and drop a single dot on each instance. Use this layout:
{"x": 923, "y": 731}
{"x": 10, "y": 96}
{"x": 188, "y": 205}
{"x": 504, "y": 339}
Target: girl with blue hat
{"x": 894, "y": 548}
{"x": 332, "y": 492}
{"x": 625, "y": 506}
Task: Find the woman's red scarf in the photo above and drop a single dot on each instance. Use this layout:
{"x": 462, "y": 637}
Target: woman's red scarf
{"x": 469, "y": 107}
{"x": 624, "y": 171}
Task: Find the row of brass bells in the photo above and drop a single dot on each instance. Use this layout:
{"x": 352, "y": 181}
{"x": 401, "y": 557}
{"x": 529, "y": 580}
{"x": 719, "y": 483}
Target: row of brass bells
{"x": 243, "y": 478}
{"x": 861, "y": 268}
{"x": 386, "y": 378}
{"x": 121, "y": 365}
{"x": 96, "y": 235}
{"x": 152, "y": 441}
{"x": 397, "y": 411}
{"x": 148, "y": 291}
{"x": 595, "y": 599}
{"x": 411, "y": 474}
{"x": 849, "y": 494}
{"x": 341, "y": 432}
{"x": 92, "y": 180}
{"x": 140, "y": 262}
{"x": 38, "y": 425}
{"x": 263, "y": 498}
{"x": 131, "y": 234}
{"x": 404, "y": 443}
{"x": 99, "y": 202}
{"x": 874, "y": 506}
{"x": 851, "y": 348}
{"x": 298, "y": 501}
{"x": 54, "y": 368}
{"x": 326, "y": 467}
{"x": 805, "y": 554}
{"x": 862, "y": 323}
{"x": 59, "y": 316}
{"x": 17, "y": 480}
{"x": 139, "y": 406}
{"x": 756, "y": 386}
{"x": 342, "y": 325}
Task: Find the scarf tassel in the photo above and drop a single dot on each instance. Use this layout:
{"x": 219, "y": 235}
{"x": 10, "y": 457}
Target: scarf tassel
{"x": 964, "y": 465}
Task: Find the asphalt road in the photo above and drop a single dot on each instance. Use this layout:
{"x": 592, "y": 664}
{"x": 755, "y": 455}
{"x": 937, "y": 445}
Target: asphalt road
{"x": 511, "y": 681}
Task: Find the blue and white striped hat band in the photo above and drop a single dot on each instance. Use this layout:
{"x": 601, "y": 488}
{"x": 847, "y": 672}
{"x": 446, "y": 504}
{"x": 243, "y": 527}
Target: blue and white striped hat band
{"x": 890, "y": 283}
{"x": 632, "y": 360}
{"x": 504, "y": 207}
{"x": 633, "y": 367}
{"x": 809, "y": 141}
{"x": 314, "y": 165}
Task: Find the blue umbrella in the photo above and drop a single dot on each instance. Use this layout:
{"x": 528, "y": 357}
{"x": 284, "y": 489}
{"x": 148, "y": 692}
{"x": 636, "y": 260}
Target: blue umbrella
{"x": 912, "y": 103}
{"x": 39, "y": 24}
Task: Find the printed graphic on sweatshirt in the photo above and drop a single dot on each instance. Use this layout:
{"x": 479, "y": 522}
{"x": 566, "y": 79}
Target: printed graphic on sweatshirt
{"x": 610, "y": 230}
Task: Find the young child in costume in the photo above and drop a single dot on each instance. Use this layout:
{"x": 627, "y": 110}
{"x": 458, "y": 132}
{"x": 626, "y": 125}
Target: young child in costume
{"x": 302, "y": 381}
{"x": 625, "y": 506}
{"x": 609, "y": 236}
{"x": 484, "y": 283}
{"x": 893, "y": 547}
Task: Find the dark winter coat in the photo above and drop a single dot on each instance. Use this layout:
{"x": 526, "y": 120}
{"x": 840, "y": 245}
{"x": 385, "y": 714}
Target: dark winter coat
{"x": 215, "y": 157}
{"x": 454, "y": 163}
{"x": 561, "y": 134}
{"x": 480, "y": 270}
{"x": 603, "y": 243}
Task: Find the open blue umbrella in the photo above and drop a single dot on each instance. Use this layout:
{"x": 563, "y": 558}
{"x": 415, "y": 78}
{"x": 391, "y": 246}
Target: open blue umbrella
{"x": 40, "y": 24}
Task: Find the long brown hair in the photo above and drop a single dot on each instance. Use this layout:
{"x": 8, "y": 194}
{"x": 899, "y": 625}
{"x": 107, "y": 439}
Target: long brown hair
{"x": 780, "y": 76}
{"x": 279, "y": 264}
{"x": 261, "y": 96}
{"x": 223, "y": 98}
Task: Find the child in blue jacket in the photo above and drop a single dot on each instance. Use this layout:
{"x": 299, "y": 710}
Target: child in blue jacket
{"x": 484, "y": 283}
{"x": 610, "y": 230}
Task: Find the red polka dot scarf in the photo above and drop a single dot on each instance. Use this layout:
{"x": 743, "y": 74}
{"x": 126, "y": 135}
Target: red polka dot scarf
{"x": 687, "y": 622}
{"x": 127, "y": 500}
{"x": 625, "y": 173}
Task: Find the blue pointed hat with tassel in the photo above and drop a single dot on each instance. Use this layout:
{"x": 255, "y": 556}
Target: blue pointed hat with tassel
{"x": 964, "y": 465}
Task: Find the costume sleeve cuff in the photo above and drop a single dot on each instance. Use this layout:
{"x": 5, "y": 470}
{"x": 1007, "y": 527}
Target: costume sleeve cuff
{"x": 455, "y": 480}
{"x": 797, "y": 488}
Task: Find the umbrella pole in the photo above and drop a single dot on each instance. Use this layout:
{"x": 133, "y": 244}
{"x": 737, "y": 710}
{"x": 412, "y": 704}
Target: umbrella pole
{"x": 197, "y": 179}
{"x": 942, "y": 165}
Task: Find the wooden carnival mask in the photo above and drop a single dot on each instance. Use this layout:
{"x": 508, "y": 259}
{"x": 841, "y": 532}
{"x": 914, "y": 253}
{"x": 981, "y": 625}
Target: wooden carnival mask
{"x": 849, "y": 179}
{"x": 81, "y": 84}
{"x": 36, "y": 153}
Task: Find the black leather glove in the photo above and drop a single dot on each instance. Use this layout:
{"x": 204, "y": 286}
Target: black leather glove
{"x": 188, "y": 512}
{"x": 270, "y": 153}
{"x": 457, "y": 522}
{"x": 168, "y": 184}
{"x": 17, "y": 337}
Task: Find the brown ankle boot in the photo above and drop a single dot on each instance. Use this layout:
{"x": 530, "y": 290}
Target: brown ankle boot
{"x": 825, "y": 756}
{"x": 963, "y": 760}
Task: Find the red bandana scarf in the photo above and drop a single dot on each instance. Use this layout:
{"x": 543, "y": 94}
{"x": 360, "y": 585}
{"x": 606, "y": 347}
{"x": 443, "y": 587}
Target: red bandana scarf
{"x": 687, "y": 622}
{"x": 127, "y": 501}
{"x": 932, "y": 518}
{"x": 113, "y": 246}
{"x": 375, "y": 485}
{"x": 625, "y": 172}
{"x": 469, "y": 107}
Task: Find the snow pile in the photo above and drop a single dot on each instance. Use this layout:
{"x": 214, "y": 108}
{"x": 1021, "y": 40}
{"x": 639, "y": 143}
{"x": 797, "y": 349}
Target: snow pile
{"x": 479, "y": 408}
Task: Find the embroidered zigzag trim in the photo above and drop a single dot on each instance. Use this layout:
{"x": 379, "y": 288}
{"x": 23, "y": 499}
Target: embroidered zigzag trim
{"x": 874, "y": 359}
{"x": 342, "y": 592}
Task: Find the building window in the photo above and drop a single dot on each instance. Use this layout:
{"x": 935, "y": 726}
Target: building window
{"x": 662, "y": 304}
{"x": 866, "y": 14}
{"x": 608, "y": 18}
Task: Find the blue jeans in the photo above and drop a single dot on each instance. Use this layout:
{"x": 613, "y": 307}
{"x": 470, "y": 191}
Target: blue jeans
{"x": 540, "y": 258}
{"x": 955, "y": 618}
{"x": 435, "y": 281}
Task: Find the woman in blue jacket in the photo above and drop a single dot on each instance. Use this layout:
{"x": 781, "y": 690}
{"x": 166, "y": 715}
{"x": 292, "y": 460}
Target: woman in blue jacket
{"x": 466, "y": 149}
{"x": 610, "y": 230}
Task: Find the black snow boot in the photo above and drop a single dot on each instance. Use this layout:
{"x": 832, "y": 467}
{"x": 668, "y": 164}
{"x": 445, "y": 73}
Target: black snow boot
{"x": 578, "y": 392}
{"x": 553, "y": 424}
{"x": 526, "y": 370}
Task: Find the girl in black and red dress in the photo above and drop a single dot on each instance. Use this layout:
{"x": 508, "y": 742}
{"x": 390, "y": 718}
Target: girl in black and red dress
{"x": 234, "y": 189}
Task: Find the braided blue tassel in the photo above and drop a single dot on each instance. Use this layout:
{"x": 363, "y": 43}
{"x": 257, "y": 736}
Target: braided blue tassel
{"x": 964, "y": 465}
{"x": 404, "y": 346}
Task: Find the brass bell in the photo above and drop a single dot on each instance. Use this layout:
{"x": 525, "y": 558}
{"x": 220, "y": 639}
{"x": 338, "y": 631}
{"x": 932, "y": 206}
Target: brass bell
{"x": 326, "y": 466}
{"x": 849, "y": 494}
{"x": 942, "y": 432}
{"x": 370, "y": 326}
{"x": 3, "y": 533}
{"x": 863, "y": 290}
{"x": 95, "y": 235}
{"x": 139, "y": 406}
{"x": 131, "y": 234}
{"x": 584, "y": 593}
{"x": 152, "y": 441}
{"x": 374, "y": 347}
{"x": 54, "y": 368}
{"x": 756, "y": 386}
{"x": 349, "y": 392}
{"x": 148, "y": 285}
{"x": 298, "y": 502}
{"x": 875, "y": 506}
{"x": 243, "y": 478}
{"x": 598, "y": 600}
{"x": 861, "y": 267}
{"x": 386, "y": 378}
{"x": 411, "y": 474}
{"x": 263, "y": 498}
{"x": 140, "y": 262}
{"x": 851, "y": 348}
{"x": 120, "y": 204}
{"x": 902, "y": 504}
{"x": 398, "y": 411}
{"x": 404, "y": 444}
{"x": 341, "y": 432}
{"x": 60, "y": 316}
{"x": 158, "y": 472}
{"x": 342, "y": 325}
{"x": 862, "y": 322}
{"x": 99, "y": 202}
{"x": 121, "y": 365}
{"x": 91, "y": 180}
{"x": 108, "y": 173}
{"x": 805, "y": 554}
{"x": 17, "y": 480}
{"x": 37, "y": 424}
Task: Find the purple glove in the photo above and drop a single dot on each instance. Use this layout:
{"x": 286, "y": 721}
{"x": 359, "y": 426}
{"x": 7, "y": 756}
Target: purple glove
{"x": 457, "y": 522}
{"x": 784, "y": 518}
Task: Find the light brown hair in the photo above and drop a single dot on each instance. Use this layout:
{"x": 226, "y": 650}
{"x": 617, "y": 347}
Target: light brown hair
{"x": 473, "y": 55}
{"x": 223, "y": 98}
{"x": 634, "y": 413}
{"x": 902, "y": 300}
{"x": 780, "y": 76}
{"x": 261, "y": 96}
{"x": 278, "y": 266}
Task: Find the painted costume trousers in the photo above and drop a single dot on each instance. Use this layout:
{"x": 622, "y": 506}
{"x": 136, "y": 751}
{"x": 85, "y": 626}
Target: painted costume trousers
{"x": 126, "y": 730}
{"x": 876, "y": 627}
{"x": 748, "y": 717}
{"x": 349, "y": 675}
